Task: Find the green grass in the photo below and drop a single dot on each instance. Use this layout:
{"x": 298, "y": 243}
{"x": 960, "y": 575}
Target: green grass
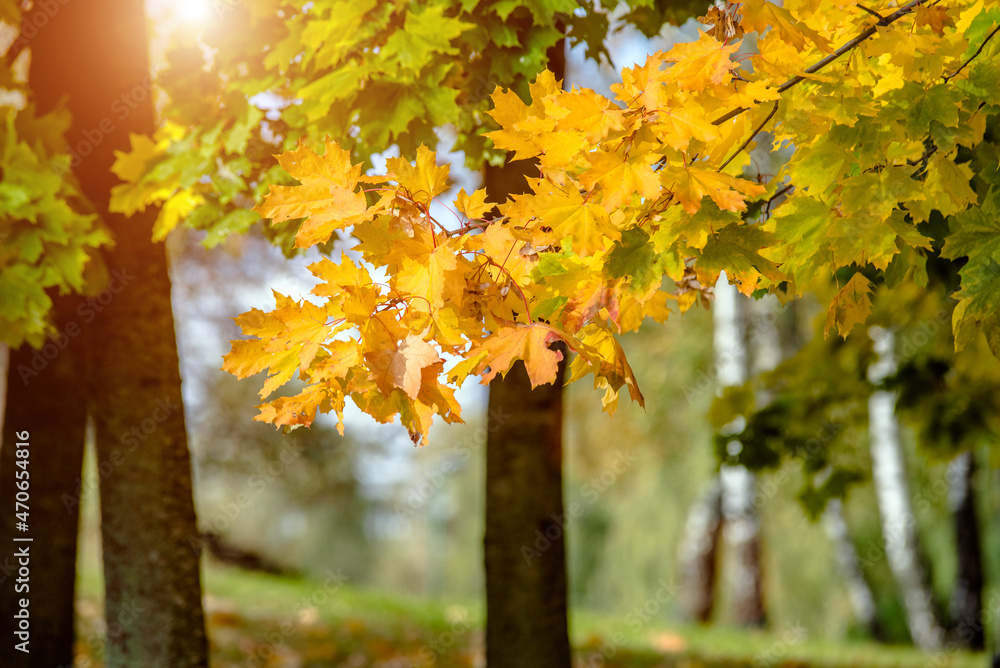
{"x": 262, "y": 620}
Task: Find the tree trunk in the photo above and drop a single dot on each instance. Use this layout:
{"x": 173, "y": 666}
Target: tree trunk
{"x": 50, "y": 407}
{"x": 95, "y": 53}
{"x": 525, "y": 542}
{"x": 699, "y": 555}
{"x": 526, "y": 616}
{"x": 860, "y": 594}
{"x": 967, "y": 596}
{"x": 892, "y": 494}
{"x": 4, "y": 365}
{"x": 739, "y": 509}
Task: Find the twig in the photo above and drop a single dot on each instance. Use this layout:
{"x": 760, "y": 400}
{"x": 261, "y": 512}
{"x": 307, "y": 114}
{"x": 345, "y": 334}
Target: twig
{"x": 517, "y": 287}
{"x": 949, "y": 77}
{"x": 870, "y": 11}
{"x": 752, "y": 136}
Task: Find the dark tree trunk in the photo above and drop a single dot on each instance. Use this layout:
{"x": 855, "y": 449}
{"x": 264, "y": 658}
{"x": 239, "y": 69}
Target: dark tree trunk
{"x": 525, "y": 542}
{"x": 94, "y": 52}
{"x": 699, "y": 557}
{"x": 51, "y": 408}
{"x": 526, "y": 622}
{"x": 967, "y": 596}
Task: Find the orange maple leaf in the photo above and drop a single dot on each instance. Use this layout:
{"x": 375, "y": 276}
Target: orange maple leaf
{"x": 934, "y": 16}
{"x": 401, "y": 367}
{"x": 525, "y": 342}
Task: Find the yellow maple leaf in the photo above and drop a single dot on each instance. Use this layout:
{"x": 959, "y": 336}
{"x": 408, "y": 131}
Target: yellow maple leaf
{"x": 589, "y": 112}
{"x": 298, "y": 410}
{"x": 760, "y": 15}
{"x": 599, "y": 352}
{"x": 440, "y": 397}
{"x": 619, "y": 178}
{"x": 851, "y": 306}
{"x": 561, "y": 212}
{"x": 690, "y": 184}
{"x": 474, "y": 205}
{"x": 325, "y": 196}
{"x": 529, "y": 343}
{"x": 130, "y": 165}
{"x": 522, "y": 124}
{"x": 699, "y": 63}
{"x": 424, "y": 180}
{"x": 401, "y": 367}
{"x": 678, "y": 126}
{"x": 430, "y": 277}
{"x": 175, "y": 210}
{"x": 647, "y": 85}
{"x": 777, "y": 58}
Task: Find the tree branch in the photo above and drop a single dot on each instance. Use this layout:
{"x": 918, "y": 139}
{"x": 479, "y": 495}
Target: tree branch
{"x": 862, "y": 36}
{"x": 949, "y": 77}
{"x": 753, "y": 135}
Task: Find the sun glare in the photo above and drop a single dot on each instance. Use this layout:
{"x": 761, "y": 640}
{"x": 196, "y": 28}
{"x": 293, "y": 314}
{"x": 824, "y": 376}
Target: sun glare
{"x": 195, "y": 12}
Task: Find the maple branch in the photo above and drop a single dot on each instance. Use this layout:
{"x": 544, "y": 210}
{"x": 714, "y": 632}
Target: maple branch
{"x": 870, "y": 11}
{"x": 752, "y": 136}
{"x": 849, "y": 46}
{"x": 470, "y": 225}
{"x": 516, "y": 287}
{"x": 949, "y": 77}
{"x": 767, "y": 204}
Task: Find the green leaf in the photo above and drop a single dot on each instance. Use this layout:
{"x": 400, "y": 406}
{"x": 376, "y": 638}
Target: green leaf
{"x": 634, "y": 256}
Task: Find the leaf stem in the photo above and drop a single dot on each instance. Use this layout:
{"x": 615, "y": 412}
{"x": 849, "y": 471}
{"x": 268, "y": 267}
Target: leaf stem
{"x": 516, "y": 287}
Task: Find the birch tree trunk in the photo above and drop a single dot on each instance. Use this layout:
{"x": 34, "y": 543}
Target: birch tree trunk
{"x": 899, "y": 531}
{"x": 967, "y": 596}
{"x": 742, "y": 526}
{"x": 859, "y": 593}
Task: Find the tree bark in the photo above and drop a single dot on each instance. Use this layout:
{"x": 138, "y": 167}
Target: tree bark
{"x": 525, "y": 542}
{"x": 4, "y": 366}
{"x": 525, "y": 545}
{"x": 739, "y": 508}
{"x": 699, "y": 555}
{"x": 967, "y": 596}
{"x": 892, "y": 494}
{"x": 50, "y": 406}
{"x": 860, "y": 594}
{"x": 94, "y": 53}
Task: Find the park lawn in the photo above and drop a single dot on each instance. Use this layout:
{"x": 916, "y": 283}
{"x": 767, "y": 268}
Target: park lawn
{"x": 257, "y": 620}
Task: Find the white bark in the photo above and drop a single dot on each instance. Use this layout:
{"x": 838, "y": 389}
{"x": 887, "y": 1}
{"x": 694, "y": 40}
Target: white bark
{"x": 893, "y": 498}
{"x": 858, "y": 591}
{"x": 742, "y": 527}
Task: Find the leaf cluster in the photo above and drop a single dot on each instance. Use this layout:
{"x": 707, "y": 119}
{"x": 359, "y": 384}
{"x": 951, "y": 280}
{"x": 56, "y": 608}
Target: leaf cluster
{"x": 48, "y": 231}
{"x": 650, "y": 187}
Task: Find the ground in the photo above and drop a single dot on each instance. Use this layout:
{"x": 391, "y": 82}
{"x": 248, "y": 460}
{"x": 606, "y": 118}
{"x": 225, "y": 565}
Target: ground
{"x": 258, "y": 621}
